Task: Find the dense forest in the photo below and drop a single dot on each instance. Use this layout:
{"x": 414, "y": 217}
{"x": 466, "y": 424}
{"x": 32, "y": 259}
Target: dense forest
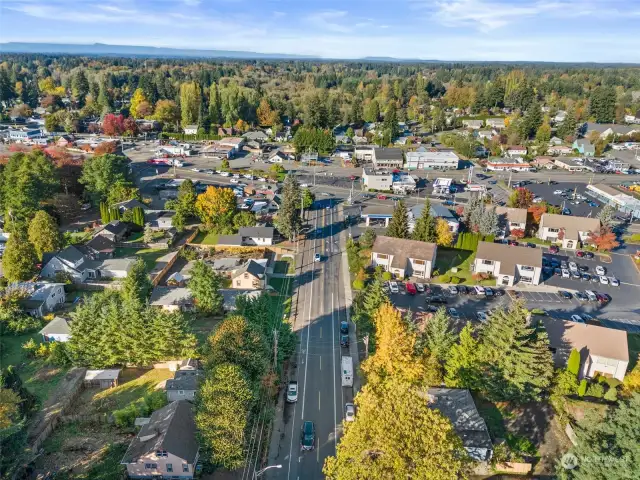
{"x": 272, "y": 93}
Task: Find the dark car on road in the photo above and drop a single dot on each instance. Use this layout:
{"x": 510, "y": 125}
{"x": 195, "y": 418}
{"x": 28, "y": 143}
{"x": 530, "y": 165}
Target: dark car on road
{"x": 308, "y": 436}
{"x": 344, "y": 327}
{"x": 437, "y": 299}
{"x": 344, "y": 340}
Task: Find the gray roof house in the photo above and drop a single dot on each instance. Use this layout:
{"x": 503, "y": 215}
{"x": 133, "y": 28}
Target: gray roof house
{"x": 43, "y": 297}
{"x": 257, "y": 136}
{"x": 57, "y": 330}
{"x": 387, "y": 158}
{"x": 114, "y": 231}
{"x": 457, "y": 405}
{"x": 252, "y": 275}
{"x": 130, "y": 205}
{"x": 166, "y": 447}
{"x": 81, "y": 266}
{"x": 184, "y": 385}
{"x": 172, "y": 298}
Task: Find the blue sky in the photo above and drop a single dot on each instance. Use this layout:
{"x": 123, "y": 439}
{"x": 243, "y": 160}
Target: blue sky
{"x": 547, "y": 30}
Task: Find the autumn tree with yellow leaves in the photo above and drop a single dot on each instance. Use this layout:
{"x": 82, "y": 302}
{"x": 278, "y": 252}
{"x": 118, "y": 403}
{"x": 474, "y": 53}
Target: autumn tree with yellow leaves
{"x": 216, "y": 208}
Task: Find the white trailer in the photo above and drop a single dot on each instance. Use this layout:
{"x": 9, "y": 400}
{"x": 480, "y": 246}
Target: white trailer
{"x": 347, "y": 371}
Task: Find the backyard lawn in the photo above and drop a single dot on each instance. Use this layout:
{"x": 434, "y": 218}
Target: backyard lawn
{"x": 206, "y": 238}
{"x": 284, "y": 265}
{"x": 449, "y": 258}
{"x": 282, "y": 301}
{"x": 149, "y": 255}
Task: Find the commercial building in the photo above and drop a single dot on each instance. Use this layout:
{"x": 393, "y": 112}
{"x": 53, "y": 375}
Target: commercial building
{"x": 570, "y": 164}
{"x": 611, "y": 196}
{"x": 387, "y": 158}
{"x": 431, "y": 159}
{"x": 509, "y": 264}
{"x": 506, "y": 164}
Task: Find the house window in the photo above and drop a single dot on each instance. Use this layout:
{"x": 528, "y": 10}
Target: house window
{"x": 487, "y": 262}
{"x": 382, "y": 256}
{"x": 246, "y": 275}
{"x": 185, "y": 467}
{"x": 237, "y": 283}
{"x": 169, "y": 467}
{"x": 553, "y": 230}
{"x": 526, "y": 268}
{"x": 150, "y": 466}
{"x": 161, "y": 453}
{"x": 180, "y": 392}
{"x": 419, "y": 262}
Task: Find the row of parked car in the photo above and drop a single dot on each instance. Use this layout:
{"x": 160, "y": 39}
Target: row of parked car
{"x": 564, "y": 269}
{"x": 587, "y": 296}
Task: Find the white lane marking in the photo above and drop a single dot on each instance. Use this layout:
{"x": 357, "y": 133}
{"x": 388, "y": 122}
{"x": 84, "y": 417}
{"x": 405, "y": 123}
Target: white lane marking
{"x": 319, "y": 409}
{"x": 320, "y": 357}
{"x": 333, "y": 359}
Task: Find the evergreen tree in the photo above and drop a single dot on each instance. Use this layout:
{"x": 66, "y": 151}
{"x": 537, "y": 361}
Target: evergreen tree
{"x": 136, "y": 287}
{"x": 205, "y": 286}
{"x": 531, "y": 121}
{"x": 606, "y": 216}
{"x": 425, "y": 226}
{"x": 138, "y": 216}
{"x": 573, "y": 363}
{"x": 463, "y": 366}
{"x": 399, "y": 224}
{"x": 104, "y": 213}
{"x": 44, "y": 234}
{"x": 438, "y": 336}
{"x": 569, "y": 126}
{"x": 602, "y": 104}
{"x": 488, "y": 222}
{"x": 517, "y": 362}
{"x": 390, "y": 124}
{"x": 288, "y": 220}
{"x": 367, "y": 239}
{"x": 147, "y": 236}
{"x": 19, "y": 258}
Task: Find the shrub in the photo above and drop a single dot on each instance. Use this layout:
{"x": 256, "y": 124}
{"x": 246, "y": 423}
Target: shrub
{"x": 595, "y": 390}
{"x": 611, "y": 395}
{"x": 456, "y": 280}
{"x": 156, "y": 400}
{"x": 520, "y": 444}
{"x": 22, "y": 324}
{"x": 125, "y": 417}
{"x": 538, "y": 311}
{"x": 30, "y": 347}
{"x": 582, "y": 389}
{"x": 565, "y": 383}
{"x": 480, "y": 276}
{"x": 358, "y": 284}
{"x": 612, "y": 382}
{"x": 43, "y": 350}
{"x": 189, "y": 254}
{"x": 386, "y": 276}
{"x": 446, "y": 278}
{"x": 573, "y": 363}
{"x": 58, "y": 354}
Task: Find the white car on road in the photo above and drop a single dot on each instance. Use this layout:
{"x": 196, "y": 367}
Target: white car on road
{"x": 604, "y": 280}
{"x": 304, "y": 185}
{"x": 225, "y": 174}
{"x": 558, "y": 192}
{"x": 600, "y": 270}
{"x": 234, "y": 180}
{"x": 393, "y": 287}
{"x": 292, "y": 392}
{"x": 573, "y": 267}
{"x": 349, "y": 412}
{"x": 614, "y": 282}
{"x": 262, "y": 179}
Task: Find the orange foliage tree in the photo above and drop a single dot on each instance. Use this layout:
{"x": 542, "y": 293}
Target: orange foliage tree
{"x": 216, "y": 208}
{"x": 604, "y": 239}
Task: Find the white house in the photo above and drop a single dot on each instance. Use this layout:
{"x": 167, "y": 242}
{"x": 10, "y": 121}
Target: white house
{"x": 191, "y": 130}
{"x": 473, "y": 124}
{"x": 509, "y": 264}
{"x": 603, "y": 351}
{"x": 257, "y": 235}
{"x": 404, "y": 258}
{"x": 497, "y": 123}
{"x": 516, "y": 151}
{"x": 43, "y": 297}
{"x": 559, "y": 150}
{"x": 511, "y": 219}
{"x": 82, "y": 267}
{"x": 568, "y": 230}
{"x": 57, "y": 330}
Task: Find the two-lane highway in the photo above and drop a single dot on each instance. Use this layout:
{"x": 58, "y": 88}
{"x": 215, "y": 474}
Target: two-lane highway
{"x": 321, "y": 398}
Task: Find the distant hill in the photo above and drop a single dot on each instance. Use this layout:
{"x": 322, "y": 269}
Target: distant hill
{"x": 102, "y": 49}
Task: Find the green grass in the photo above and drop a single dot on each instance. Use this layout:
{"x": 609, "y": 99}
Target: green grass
{"x": 284, "y": 286}
{"x": 206, "y": 238}
{"x": 537, "y": 241}
{"x": 149, "y": 255}
{"x": 106, "y": 468}
{"x": 134, "y": 384}
{"x": 633, "y": 342}
{"x": 282, "y": 301}
{"x": 79, "y": 237}
{"x": 139, "y": 237}
{"x": 449, "y": 258}
{"x": 284, "y": 265}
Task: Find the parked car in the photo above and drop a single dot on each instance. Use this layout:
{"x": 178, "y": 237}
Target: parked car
{"x": 554, "y": 249}
{"x": 482, "y": 316}
{"x": 577, "y": 318}
{"x": 453, "y": 313}
{"x": 600, "y": 270}
{"x": 591, "y": 295}
{"x": 437, "y": 299}
{"x": 308, "y": 436}
{"x": 344, "y": 327}
{"x": 588, "y": 255}
{"x": 583, "y": 268}
{"x": 462, "y": 289}
{"x": 292, "y": 392}
{"x": 382, "y": 197}
{"x": 575, "y": 275}
{"x": 581, "y": 296}
{"x": 344, "y": 340}
{"x": 317, "y": 257}
{"x": 393, "y": 286}
{"x": 580, "y": 253}
{"x": 564, "y": 294}
{"x": 585, "y": 277}
{"x": 452, "y": 290}
{"x": 604, "y": 280}
{"x": 420, "y": 287}
{"x": 349, "y": 412}
{"x": 573, "y": 267}
{"x": 498, "y": 292}
{"x": 603, "y": 298}
{"x": 411, "y": 288}
{"x": 488, "y": 291}
{"x": 614, "y": 282}
{"x": 565, "y": 273}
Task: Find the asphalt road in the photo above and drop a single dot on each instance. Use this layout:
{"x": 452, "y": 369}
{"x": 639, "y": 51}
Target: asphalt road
{"x": 321, "y": 397}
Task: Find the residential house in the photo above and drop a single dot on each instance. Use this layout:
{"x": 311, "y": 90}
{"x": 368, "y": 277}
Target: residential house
{"x": 387, "y": 158}
{"x": 633, "y": 118}
{"x": 509, "y": 264}
{"x": 65, "y": 141}
{"x": 515, "y": 151}
{"x": 172, "y": 299}
{"x": 226, "y": 131}
{"x": 81, "y": 266}
{"x": 496, "y": 123}
{"x": 114, "y": 231}
{"x": 404, "y": 258}
{"x": 510, "y": 219}
{"x": 603, "y": 351}
{"x": 473, "y": 124}
{"x": 569, "y": 230}
{"x": 191, "y": 130}
{"x": 559, "y": 116}
{"x": 57, "y": 330}
{"x": 543, "y": 162}
{"x": 130, "y": 205}
{"x": 282, "y": 136}
{"x": 568, "y": 163}
{"x": 585, "y": 147}
{"x": 559, "y": 150}
{"x": 229, "y": 241}
{"x": 256, "y": 136}
{"x": 167, "y": 446}
{"x": 160, "y": 219}
{"x": 105, "y": 378}
{"x": 251, "y": 276}
{"x": 458, "y": 406}
{"x": 485, "y": 134}
{"x": 184, "y": 385}
{"x": 100, "y": 247}
{"x": 230, "y": 295}
{"x": 608, "y": 129}
{"x": 225, "y": 266}
{"x": 555, "y": 141}
{"x": 428, "y": 159}
{"x": 257, "y": 235}
{"x": 42, "y": 297}
{"x": 278, "y": 156}
{"x": 437, "y": 211}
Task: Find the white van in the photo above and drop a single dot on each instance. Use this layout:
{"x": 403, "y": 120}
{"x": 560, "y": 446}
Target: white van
{"x": 591, "y": 295}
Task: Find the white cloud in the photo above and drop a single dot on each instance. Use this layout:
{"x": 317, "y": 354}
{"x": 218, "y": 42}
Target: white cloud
{"x": 328, "y": 20}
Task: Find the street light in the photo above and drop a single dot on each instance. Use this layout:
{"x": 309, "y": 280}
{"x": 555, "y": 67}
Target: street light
{"x": 260, "y": 472}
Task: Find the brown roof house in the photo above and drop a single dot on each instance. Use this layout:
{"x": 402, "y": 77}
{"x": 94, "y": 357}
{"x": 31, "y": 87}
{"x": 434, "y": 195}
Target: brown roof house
{"x": 404, "y": 258}
{"x": 165, "y": 447}
{"x": 570, "y": 231}
{"x": 509, "y": 264}
{"x": 510, "y": 219}
{"x": 603, "y": 351}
